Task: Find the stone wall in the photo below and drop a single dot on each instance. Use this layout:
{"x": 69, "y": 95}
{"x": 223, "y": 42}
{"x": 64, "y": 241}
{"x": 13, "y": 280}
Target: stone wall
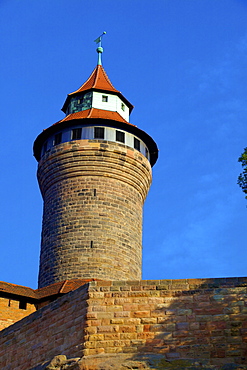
{"x": 157, "y": 322}
{"x": 54, "y": 329}
{"x": 93, "y": 193}
{"x": 204, "y": 319}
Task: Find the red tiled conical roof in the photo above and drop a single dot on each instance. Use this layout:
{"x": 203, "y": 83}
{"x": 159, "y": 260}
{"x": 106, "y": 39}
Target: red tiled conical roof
{"x": 97, "y": 80}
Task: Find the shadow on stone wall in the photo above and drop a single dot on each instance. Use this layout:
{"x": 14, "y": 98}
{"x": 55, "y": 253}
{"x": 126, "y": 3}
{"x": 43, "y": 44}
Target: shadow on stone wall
{"x": 204, "y": 327}
{"x": 200, "y": 327}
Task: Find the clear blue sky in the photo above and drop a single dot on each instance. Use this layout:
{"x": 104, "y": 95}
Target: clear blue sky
{"x": 182, "y": 63}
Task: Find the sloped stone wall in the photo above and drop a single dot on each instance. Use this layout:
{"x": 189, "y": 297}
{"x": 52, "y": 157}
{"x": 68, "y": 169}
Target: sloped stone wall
{"x": 156, "y": 324}
{"x": 54, "y": 329}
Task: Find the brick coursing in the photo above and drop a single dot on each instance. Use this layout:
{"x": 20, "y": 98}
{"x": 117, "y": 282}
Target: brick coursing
{"x": 194, "y": 319}
{"x": 93, "y": 195}
{"x": 54, "y": 329}
{"x": 10, "y": 311}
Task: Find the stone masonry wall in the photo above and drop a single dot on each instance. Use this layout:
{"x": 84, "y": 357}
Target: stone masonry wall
{"x": 203, "y": 319}
{"x": 54, "y": 329}
{"x": 93, "y": 193}
{"x": 155, "y": 321}
{"x": 11, "y": 311}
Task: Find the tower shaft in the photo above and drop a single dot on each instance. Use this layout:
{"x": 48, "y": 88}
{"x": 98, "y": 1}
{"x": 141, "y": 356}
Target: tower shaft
{"x": 93, "y": 193}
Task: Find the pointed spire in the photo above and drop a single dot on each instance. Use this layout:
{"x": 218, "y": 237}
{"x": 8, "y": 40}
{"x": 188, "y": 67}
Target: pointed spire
{"x": 99, "y": 48}
{"x": 99, "y": 81}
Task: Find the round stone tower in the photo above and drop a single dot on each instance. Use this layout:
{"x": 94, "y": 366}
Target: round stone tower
{"x": 94, "y": 173}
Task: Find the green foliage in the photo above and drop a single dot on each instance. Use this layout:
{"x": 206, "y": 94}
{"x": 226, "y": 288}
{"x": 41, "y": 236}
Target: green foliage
{"x": 242, "y": 178}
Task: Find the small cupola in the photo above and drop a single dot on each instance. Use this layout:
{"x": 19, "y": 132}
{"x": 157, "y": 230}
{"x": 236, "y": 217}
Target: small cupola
{"x": 98, "y": 93}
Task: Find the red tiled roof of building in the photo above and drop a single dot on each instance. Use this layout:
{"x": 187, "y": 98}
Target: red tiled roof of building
{"x": 17, "y": 290}
{"x": 97, "y": 80}
{"x": 61, "y": 287}
{"x": 95, "y": 113}
{"x": 48, "y": 291}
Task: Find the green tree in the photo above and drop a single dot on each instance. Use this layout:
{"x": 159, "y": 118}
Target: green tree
{"x": 242, "y": 178}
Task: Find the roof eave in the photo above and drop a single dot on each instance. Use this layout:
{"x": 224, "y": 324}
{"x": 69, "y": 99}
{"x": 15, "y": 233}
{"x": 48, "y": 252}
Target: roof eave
{"x": 153, "y": 150}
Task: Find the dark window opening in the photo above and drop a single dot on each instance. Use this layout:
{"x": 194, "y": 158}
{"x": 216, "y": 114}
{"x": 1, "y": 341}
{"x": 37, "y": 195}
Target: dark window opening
{"x": 146, "y": 153}
{"x": 123, "y": 106}
{"x": 99, "y": 132}
{"x": 120, "y": 136}
{"x": 136, "y": 144}
{"x": 76, "y": 134}
{"x": 58, "y": 138}
{"x": 22, "y": 305}
{"x": 105, "y": 98}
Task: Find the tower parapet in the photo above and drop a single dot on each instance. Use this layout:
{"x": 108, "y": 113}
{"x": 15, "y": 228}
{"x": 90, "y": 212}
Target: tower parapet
{"x": 94, "y": 173}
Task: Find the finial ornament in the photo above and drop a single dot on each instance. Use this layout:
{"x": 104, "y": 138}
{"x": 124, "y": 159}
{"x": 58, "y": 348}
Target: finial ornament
{"x": 99, "y": 48}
